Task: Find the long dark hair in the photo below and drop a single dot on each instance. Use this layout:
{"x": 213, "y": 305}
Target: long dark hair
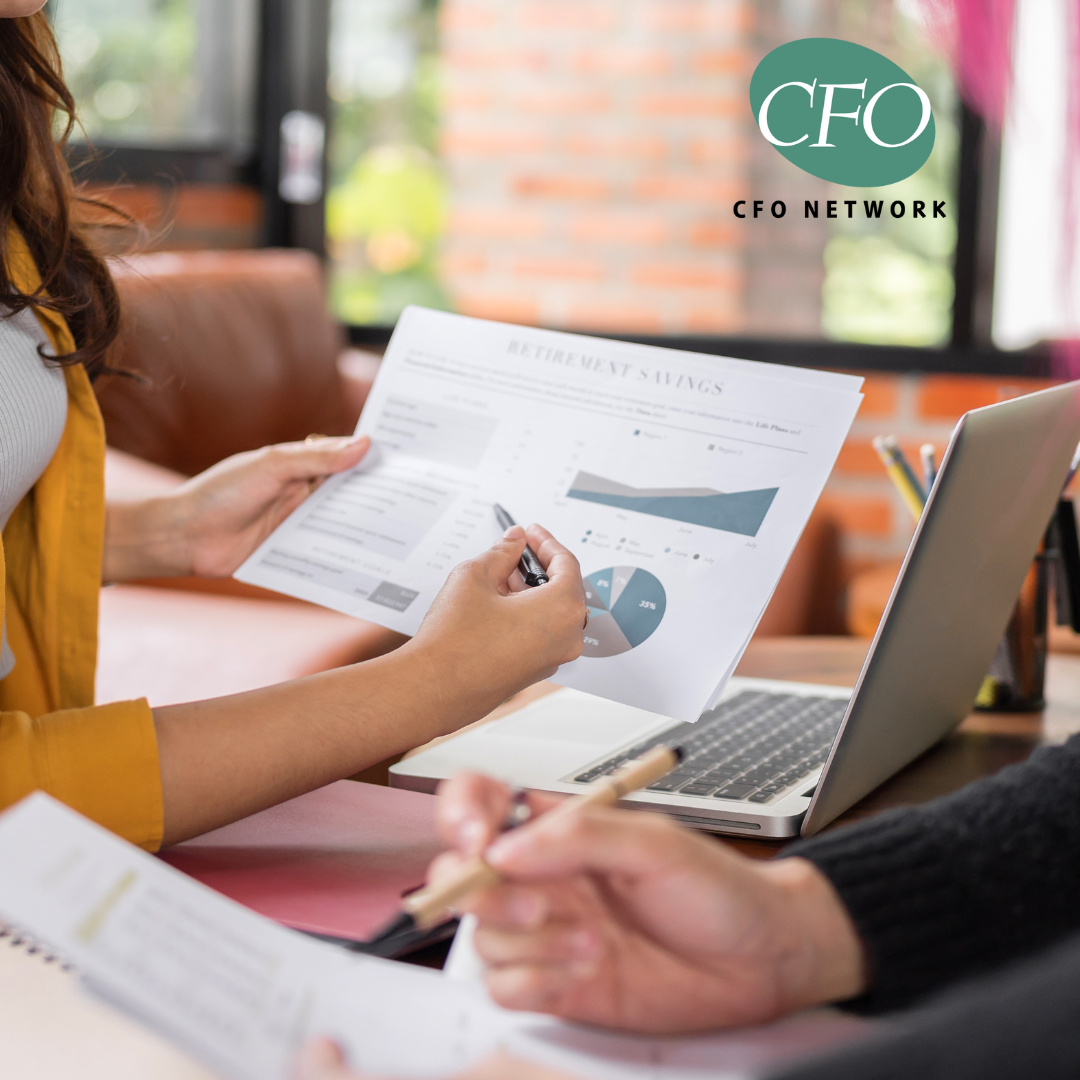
{"x": 38, "y": 196}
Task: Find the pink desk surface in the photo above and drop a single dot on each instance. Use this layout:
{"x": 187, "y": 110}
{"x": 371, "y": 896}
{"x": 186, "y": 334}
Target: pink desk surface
{"x": 334, "y": 861}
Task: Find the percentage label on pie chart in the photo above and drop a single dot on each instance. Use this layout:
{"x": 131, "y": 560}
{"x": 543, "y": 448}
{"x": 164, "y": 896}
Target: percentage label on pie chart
{"x": 626, "y": 605}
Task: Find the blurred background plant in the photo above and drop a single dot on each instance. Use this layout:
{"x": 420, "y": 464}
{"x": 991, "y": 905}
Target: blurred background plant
{"x": 887, "y": 282}
{"x": 160, "y": 72}
{"x": 131, "y": 64}
{"x": 385, "y": 207}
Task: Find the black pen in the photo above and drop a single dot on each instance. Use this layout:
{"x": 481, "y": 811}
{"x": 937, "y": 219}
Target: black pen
{"x": 531, "y": 570}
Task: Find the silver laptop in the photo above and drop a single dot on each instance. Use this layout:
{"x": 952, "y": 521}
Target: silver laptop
{"x": 776, "y": 758}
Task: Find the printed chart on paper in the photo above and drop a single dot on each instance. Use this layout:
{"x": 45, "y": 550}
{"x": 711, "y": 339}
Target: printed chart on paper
{"x": 680, "y": 482}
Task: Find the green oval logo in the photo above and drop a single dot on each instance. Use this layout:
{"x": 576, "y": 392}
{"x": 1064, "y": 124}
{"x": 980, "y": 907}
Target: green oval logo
{"x": 842, "y": 112}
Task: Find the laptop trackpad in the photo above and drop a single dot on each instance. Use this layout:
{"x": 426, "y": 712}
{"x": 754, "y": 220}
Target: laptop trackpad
{"x": 569, "y": 716}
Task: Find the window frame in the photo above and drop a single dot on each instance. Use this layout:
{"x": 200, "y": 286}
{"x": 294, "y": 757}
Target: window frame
{"x": 292, "y": 69}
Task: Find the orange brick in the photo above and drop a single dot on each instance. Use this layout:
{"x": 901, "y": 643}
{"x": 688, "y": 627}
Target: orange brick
{"x": 568, "y": 15}
{"x": 505, "y": 308}
{"x": 497, "y": 224}
{"x": 466, "y": 59}
{"x": 629, "y": 147}
{"x": 727, "y": 319}
{"x": 462, "y": 263}
{"x": 947, "y": 397}
{"x": 639, "y": 318}
{"x": 623, "y": 61}
{"x": 686, "y": 276}
{"x": 462, "y": 99}
{"x": 696, "y": 16}
{"x": 713, "y": 151}
{"x": 858, "y": 457}
{"x": 569, "y": 102}
{"x": 458, "y": 15}
{"x": 638, "y": 229}
{"x": 559, "y": 269}
{"x": 880, "y": 396}
{"x": 485, "y": 143}
{"x": 561, "y": 187}
{"x": 717, "y": 234}
{"x": 691, "y": 104}
{"x": 215, "y": 206}
{"x": 860, "y": 515}
{"x": 722, "y": 62}
{"x": 686, "y": 188}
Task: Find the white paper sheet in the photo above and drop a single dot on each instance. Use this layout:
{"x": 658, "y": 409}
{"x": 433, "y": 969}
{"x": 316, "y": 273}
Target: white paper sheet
{"x": 241, "y": 994}
{"x": 681, "y": 482}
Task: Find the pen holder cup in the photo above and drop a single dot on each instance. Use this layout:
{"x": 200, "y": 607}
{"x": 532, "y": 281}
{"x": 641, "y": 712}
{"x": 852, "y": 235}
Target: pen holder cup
{"x": 1018, "y": 671}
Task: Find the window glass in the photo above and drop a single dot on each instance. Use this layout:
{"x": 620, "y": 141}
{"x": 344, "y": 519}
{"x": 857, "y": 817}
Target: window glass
{"x": 889, "y": 280}
{"x": 386, "y": 208}
{"x": 1037, "y": 274}
{"x": 575, "y": 163}
{"x": 160, "y": 72}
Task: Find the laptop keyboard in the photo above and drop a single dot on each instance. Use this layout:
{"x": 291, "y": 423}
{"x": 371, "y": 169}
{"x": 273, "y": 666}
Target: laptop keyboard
{"x": 750, "y": 748}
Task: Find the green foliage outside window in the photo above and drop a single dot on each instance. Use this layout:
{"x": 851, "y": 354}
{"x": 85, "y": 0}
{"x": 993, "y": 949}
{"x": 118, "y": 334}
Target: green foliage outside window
{"x": 385, "y": 206}
{"x": 131, "y": 65}
{"x": 890, "y": 281}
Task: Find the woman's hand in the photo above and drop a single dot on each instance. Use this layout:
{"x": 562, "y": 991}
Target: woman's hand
{"x": 209, "y": 525}
{"x": 629, "y": 921}
{"x": 486, "y": 636}
{"x": 322, "y": 1059}
{"x": 228, "y": 757}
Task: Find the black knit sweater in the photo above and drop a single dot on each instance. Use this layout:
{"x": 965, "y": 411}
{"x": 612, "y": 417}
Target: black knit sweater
{"x": 959, "y": 888}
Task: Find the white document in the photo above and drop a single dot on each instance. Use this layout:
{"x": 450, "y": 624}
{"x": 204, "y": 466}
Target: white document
{"x": 681, "y": 482}
{"x": 241, "y": 994}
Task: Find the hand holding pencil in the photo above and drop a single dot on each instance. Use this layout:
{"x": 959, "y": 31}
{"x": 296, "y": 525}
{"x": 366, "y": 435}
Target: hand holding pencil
{"x": 437, "y": 902}
{"x": 630, "y": 921}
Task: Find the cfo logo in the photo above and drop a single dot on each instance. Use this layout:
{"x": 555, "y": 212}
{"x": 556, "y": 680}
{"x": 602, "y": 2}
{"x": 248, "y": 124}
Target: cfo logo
{"x": 842, "y": 112}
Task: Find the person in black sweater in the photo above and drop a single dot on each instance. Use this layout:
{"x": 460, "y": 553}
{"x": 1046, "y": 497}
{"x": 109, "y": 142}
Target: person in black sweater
{"x": 959, "y": 920}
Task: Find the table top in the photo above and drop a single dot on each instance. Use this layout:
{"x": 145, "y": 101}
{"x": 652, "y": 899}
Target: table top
{"x": 49, "y": 1029}
{"x": 981, "y": 745}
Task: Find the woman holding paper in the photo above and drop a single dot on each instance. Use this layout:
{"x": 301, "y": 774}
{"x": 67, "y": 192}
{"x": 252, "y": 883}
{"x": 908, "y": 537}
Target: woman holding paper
{"x": 157, "y": 776}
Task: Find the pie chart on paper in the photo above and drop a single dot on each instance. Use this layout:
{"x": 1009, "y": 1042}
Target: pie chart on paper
{"x": 626, "y": 605}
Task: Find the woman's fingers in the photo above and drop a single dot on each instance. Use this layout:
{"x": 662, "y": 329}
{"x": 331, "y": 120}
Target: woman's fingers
{"x": 320, "y": 457}
{"x": 556, "y": 559}
{"x": 321, "y": 1059}
{"x": 501, "y": 559}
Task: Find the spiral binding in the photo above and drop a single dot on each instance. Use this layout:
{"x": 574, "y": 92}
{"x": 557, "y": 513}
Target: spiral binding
{"x": 14, "y": 938}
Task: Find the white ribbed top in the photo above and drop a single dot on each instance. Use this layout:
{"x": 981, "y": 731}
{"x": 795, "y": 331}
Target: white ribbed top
{"x": 33, "y": 411}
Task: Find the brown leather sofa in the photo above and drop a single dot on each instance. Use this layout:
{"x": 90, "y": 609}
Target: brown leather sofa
{"x": 228, "y": 351}
{"x": 231, "y": 351}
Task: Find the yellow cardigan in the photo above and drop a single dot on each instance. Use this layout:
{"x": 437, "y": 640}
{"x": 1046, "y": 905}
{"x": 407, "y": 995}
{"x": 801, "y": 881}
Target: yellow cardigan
{"x": 100, "y": 760}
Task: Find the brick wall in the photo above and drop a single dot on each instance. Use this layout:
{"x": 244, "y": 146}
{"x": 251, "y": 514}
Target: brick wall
{"x": 593, "y": 150}
{"x": 877, "y": 526}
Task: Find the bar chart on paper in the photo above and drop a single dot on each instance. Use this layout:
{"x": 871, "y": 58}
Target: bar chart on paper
{"x": 739, "y": 512}
{"x": 626, "y": 606}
